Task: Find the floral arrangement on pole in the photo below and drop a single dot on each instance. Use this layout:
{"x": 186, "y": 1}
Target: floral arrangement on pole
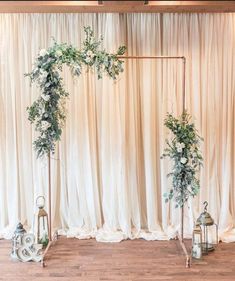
{"x": 48, "y": 111}
{"x": 184, "y": 150}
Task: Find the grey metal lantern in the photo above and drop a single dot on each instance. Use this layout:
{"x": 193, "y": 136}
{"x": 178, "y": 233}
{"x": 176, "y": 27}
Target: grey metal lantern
{"x": 208, "y": 226}
{"x": 17, "y": 240}
{"x": 41, "y": 226}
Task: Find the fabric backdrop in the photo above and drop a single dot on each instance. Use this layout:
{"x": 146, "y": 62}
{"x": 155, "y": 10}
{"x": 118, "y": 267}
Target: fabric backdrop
{"x": 107, "y": 176}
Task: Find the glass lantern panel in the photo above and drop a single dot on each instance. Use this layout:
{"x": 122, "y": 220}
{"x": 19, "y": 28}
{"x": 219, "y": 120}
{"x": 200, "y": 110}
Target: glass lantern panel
{"x": 197, "y": 249}
{"x": 197, "y": 238}
{"x": 43, "y": 231}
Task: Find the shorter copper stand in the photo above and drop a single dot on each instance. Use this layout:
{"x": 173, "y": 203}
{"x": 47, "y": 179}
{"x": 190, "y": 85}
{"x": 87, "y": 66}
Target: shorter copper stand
{"x": 50, "y": 243}
{"x": 181, "y": 239}
{"x": 53, "y": 238}
{"x": 187, "y": 256}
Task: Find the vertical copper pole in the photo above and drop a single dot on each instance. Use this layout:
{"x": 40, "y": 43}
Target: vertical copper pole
{"x": 184, "y": 109}
{"x": 183, "y": 84}
{"x": 49, "y": 197}
{"x": 182, "y": 224}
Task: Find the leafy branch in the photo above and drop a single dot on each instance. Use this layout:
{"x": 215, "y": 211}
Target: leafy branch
{"x": 183, "y": 149}
{"x": 48, "y": 111}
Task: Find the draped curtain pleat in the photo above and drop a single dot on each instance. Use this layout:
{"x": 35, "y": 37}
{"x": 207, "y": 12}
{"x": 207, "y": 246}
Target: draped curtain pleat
{"x": 107, "y": 176}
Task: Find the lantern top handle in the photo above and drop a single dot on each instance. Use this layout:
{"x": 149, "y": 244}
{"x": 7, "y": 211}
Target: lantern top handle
{"x": 42, "y": 203}
{"x": 205, "y": 204}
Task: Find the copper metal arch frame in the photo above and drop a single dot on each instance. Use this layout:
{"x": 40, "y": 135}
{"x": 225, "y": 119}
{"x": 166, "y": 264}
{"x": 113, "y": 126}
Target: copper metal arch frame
{"x": 180, "y": 235}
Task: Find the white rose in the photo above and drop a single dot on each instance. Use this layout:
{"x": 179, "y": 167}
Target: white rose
{"x": 87, "y": 60}
{"x": 178, "y": 144}
{"x": 35, "y": 70}
{"x": 179, "y": 149}
{"x": 41, "y": 110}
{"x": 45, "y": 97}
{"x": 43, "y": 74}
{"x": 190, "y": 188}
{"x": 183, "y": 160}
{"x": 43, "y": 52}
{"x": 45, "y": 125}
{"x": 90, "y": 54}
{"x": 58, "y": 53}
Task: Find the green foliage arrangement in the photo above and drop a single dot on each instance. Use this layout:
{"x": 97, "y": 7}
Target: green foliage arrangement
{"x": 185, "y": 153}
{"x": 48, "y": 111}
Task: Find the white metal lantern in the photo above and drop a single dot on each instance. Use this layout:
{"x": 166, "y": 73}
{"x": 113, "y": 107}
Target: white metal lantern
{"x": 197, "y": 242}
{"x": 41, "y": 227}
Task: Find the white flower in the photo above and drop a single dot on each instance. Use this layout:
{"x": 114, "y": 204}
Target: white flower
{"x": 43, "y": 52}
{"x": 45, "y": 97}
{"x": 183, "y": 160}
{"x": 45, "y": 125}
{"x": 41, "y": 110}
{"x": 87, "y": 60}
{"x": 90, "y": 54}
{"x": 35, "y": 70}
{"x": 115, "y": 63}
{"x": 180, "y": 146}
{"x": 179, "y": 149}
{"x": 194, "y": 154}
{"x": 43, "y": 74}
{"x": 58, "y": 53}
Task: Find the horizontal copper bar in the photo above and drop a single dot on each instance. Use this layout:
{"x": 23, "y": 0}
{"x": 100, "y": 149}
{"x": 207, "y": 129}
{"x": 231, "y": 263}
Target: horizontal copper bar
{"x": 151, "y": 57}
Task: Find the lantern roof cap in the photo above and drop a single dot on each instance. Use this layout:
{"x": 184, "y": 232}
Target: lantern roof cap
{"x": 20, "y": 229}
{"x": 205, "y": 218}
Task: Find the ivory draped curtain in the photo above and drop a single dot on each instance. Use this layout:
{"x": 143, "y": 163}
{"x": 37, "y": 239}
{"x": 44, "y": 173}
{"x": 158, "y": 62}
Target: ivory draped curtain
{"x": 107, "y": 176}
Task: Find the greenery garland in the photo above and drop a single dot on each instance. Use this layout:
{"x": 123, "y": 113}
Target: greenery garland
{"x": 184, "y": 150}
{"x": 48, "y": 111}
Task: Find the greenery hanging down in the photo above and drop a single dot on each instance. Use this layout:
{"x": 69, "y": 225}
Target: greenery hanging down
{"x": 48, "y": 111}
{"x": 185, "y": 153}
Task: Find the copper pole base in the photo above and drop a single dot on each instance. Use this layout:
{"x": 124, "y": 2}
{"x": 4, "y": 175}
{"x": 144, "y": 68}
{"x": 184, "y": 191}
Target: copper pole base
{"x": 50, "y": 243}
{"x": 187, "y": 256}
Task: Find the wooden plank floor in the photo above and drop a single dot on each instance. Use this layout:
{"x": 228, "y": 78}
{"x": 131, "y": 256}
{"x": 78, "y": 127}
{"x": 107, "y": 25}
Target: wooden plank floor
{"x": 137, "y": 260}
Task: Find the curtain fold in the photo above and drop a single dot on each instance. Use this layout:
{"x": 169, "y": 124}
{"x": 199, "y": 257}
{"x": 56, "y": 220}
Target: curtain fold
{"x": 107, "y": 177}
